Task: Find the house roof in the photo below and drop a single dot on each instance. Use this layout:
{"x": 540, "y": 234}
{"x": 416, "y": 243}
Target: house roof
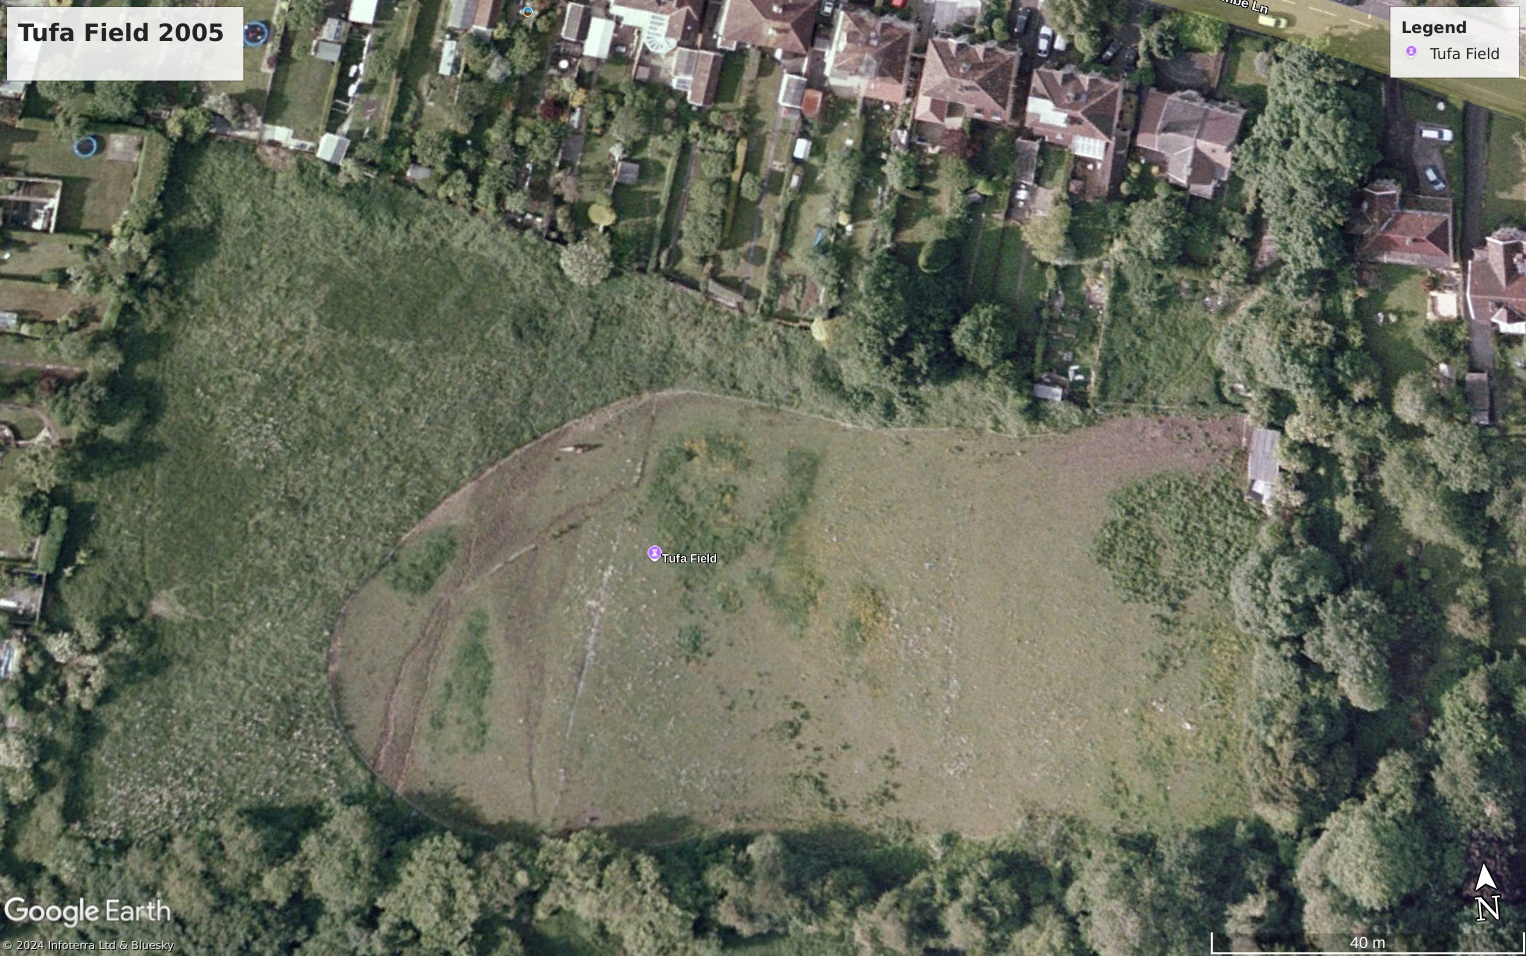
{"x": 628, "y": 173}
{"x": 1078, "y": 111}
{"x": 663, "y": 24}
{"x": 601, "y": 33}
{"x": 332, "y": 148}
{"x": 485, "y": 17}
{"x": 1497, "y": 278}
{"x": 363, "y": 11}
{"x": 698, "y": 73}
{"x": 1403, "y": 230}
{"x": 1026, "y": 161}
{"x": 786, "y": 25}
{"x": 449, "y": 50}
{"x": 327, "y": 50}
{"x": 792, "y": 91}
{"x": 810, "y": 106}
{"x": 1191, "y": 138}
{"x": 870, "y": 55}
{"x": 461, "y": 15}
{"x": 1262, "y": 465}
{"x": 966, "y": 80}
{"x": 575, "y": 23}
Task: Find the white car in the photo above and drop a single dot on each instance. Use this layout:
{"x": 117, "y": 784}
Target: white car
{"x": 1046, "y": 40}
{"x": 1441, "y": 134}
{"x": 1060, "y": 43}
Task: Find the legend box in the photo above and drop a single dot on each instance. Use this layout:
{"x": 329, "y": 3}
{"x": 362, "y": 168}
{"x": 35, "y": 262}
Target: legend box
{"x": 1455, "y": 41}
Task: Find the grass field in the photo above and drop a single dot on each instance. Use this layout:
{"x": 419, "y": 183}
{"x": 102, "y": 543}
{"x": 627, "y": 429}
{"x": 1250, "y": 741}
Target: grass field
{"x": 901, "y": 623}
{"x": 1505, "y": 175}
{"x": 95, "y": 190}
{"x": 397, "y": 349}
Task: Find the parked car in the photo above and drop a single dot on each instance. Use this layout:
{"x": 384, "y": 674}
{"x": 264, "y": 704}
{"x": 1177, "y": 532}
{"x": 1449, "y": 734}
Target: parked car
{"x": 1046, "y": 39}
{"x": 1024, "y": 17}
{"x": 1060, "y": 43}
{"x": 1441, "y": 134}
{"x": 1279, "y": 23}
{"x": 1433, "y": 176}
{"x": 1113, "y": 49}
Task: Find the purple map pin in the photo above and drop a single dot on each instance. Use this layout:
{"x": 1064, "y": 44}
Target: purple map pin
{"x": 1409, "y": 51}
{"x": 654, "y": 552}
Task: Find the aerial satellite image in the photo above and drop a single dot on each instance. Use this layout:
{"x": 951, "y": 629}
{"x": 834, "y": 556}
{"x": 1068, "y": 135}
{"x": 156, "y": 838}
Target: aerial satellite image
{"x": 763, "y": 478}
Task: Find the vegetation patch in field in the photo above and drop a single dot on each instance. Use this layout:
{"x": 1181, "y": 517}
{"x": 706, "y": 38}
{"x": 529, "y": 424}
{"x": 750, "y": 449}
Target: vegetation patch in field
{"x": 1173, "y": 534}
{"x": 458, "y": 713}
{"x": 418, "y": 565}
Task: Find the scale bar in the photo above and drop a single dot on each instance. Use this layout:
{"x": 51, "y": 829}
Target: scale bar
{"x": 1213, "y": 951}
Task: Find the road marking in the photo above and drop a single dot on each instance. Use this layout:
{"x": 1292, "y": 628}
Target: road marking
{"x": 1322, "y": 12}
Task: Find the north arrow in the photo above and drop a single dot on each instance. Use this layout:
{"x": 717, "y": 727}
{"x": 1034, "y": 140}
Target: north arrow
{"x": 1484, "y": 879}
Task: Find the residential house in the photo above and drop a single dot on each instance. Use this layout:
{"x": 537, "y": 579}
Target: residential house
{"x": 1079, "y": 111}
{"x": 1402, "y": 230}
{"x": 698, "y": 74}
{"x": 627, "y": 173}
{"x": 662, "y": 24}
{"x": 1262, "y": 468}
{"x": 870, "y": 56}
{"x": 1190, "y": 138}
{"x": 1496, "y": 285}
{"x": 476, "y": 16}
{"x": 784, "y": 26}
{"x": 363, "y": 12}
{"x": 963, "y": 81}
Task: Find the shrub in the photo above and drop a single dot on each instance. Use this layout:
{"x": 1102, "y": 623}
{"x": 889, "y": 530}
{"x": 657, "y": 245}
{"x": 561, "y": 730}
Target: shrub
{"x": 418, "y": 565}
{"x": 53, "y": 540}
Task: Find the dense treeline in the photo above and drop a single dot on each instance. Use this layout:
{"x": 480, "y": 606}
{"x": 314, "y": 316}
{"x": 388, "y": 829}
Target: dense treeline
{"x": 348, "y": 878}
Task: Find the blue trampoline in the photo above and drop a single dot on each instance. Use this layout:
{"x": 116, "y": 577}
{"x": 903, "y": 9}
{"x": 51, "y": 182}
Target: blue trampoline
{"x": 86, "y": 147}
{"x": 256, "y": 33}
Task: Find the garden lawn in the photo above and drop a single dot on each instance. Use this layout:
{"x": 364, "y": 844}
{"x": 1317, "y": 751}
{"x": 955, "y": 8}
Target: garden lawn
{"x": 96, "y": 190}
{"x": 1505, "y": 175}
{"x": 301, "y": 95}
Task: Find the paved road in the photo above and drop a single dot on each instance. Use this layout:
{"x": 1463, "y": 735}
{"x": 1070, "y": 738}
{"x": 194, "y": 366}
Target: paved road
{"x": 1475, "y": 151}
{"x": 1358, "y": 34}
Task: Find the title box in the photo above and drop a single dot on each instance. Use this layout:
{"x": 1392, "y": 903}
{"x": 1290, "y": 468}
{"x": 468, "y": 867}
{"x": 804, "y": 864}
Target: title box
{"x": 1454, "y": 42}
{"x": 125, "y": 43}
